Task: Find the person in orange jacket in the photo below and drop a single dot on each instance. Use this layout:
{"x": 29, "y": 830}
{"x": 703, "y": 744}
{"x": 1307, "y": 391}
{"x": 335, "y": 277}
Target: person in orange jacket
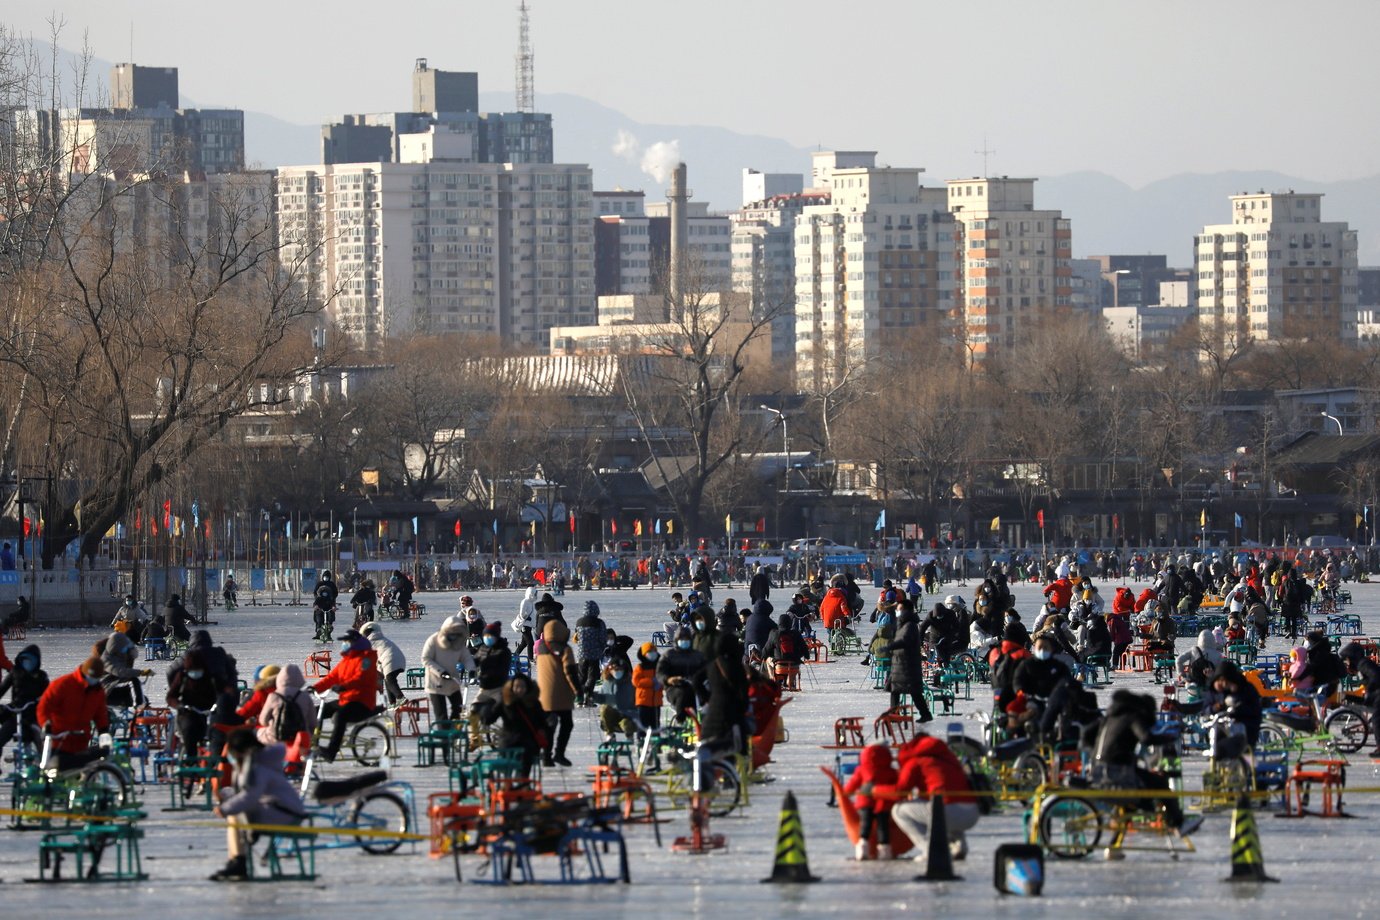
{"x": 69, "y": 707}
{"x": 647, "y": 693}
{"x": 355, "y": 679}
{"x": 834, "y": 609}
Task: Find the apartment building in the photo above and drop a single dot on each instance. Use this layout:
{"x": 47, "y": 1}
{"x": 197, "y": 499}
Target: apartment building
{"x": 1277, "y": 271}
{"x": 441, "y": 247}
{"x": 1013, "y": 261}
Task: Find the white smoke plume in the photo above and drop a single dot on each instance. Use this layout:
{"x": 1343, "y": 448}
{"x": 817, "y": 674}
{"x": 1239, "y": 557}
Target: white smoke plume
{"x": 658, "y": 161}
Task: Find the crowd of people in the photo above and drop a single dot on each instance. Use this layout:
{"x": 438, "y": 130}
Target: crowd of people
{"x": 720, "y": 668}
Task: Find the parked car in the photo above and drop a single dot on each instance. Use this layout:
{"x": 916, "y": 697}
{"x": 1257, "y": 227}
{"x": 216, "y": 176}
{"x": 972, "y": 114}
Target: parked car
{"x": 822, "y": 546}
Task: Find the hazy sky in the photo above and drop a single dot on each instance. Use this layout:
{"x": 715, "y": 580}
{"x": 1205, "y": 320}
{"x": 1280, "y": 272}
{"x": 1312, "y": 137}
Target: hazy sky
{"x": 1138, "y": 90}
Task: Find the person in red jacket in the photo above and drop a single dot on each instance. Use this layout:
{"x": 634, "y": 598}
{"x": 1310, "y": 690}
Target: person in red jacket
{"x": 356, "y": 679}
{"x": 927, "y": 768}
{"x": 1060, "y": 594}
{"x": 1145, "y": 598}
{"x": 69, "y": 707}
{"x": 874, "y": 770}
{"x": 834, "y": 609}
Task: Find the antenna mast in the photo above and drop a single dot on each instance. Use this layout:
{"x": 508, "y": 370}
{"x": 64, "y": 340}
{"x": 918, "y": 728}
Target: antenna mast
{"x": 526, "y": 94}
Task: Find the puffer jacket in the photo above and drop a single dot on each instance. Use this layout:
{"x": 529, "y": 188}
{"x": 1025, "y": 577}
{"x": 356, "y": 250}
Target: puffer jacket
{"x": 646, "y": 687}
{"x": 590, "y": 635}
{"x": 874, "y": 766}
{"x": 493, "y": 662}
{"x": 446, "y": 652}
{"x": 527, "y": 612}
{"x": 759, "y": 625}
{"x": 289, "y": 690}
{"x": 556, "y": 679}
{"x": 391, "y": 657}
{"x": 906, "y": 673}
{"x": 25, "y": 686}
{"x": 263, "y": 794}
{"x": 929, "y": 766}
{"x": 617, "y": 693}
{"x": 355, "y": 677}
{"x": 70, "y": 705}
{"x": 118, "y": 658}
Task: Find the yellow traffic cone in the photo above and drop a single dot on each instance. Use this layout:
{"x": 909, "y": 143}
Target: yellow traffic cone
{"x": 1247, "y": 860}
{"x": 791, "y": 864}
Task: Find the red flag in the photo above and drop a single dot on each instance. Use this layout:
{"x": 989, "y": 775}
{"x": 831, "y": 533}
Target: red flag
{"x": 167, "y": 515}
{"x": 28, "y": 527}
{"x": 1116, "y": 522}
{"x": 1040, "y": 518}
{"x": 761, "y": 525}
{"x": 208, "y": 528}
{"x": 613, "y": 526}
{"x": 138, "y": 518}
{"x": 572, "y": 522}
{"x": 457, "y": 527}
{"x": 637, "y": 527}
{"x": 540, "y": 576}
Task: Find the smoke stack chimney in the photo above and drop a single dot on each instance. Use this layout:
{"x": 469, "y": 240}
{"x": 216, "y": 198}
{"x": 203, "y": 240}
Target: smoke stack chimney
{"x": 678, "y": 196}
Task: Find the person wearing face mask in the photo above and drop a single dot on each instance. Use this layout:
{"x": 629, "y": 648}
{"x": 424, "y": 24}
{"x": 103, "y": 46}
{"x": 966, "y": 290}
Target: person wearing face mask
{"x": 706, "y": 633}
{"x": 355, "y": 678}
{"x": 25, "y": 684}
{"x": 446, "y": 657}
{"x": 121, "y": 682}
{"x": 260, "y": 793}
{"x": 524, "y": 721}
{"x": 679, "y": 671}
{"x": 617, "y": 702}
{"x": 191, "y": 692}
{"x": 392, "y": 661}
{"x": 70, "y": 706}
{"x": 647, "y": 693}
{"x": 1039, "y": 674}
{"x": 492, "y": 659}
{"x": 907, "y": 677}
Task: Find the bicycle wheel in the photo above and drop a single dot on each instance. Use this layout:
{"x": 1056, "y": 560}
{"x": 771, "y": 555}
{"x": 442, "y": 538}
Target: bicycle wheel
{"x": 1227, "y": 780}
{"x": 369, "y": 742}
{"x": 1029, "y": 772}
{"x": 727, "y": 790}
{"x": 1348, "y": 729}
{"x": 108, "y": 780}
{"x": 1272, "y": 738}
{"x": 1070, "y": 828}
{"x": 379, "y": 811}
{"x": 968, "y": 750}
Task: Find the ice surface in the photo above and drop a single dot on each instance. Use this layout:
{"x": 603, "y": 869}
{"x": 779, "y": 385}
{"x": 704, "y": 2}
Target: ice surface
{"x": 1324, "y": 865}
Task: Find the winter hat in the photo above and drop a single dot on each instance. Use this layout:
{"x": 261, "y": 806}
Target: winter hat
{"x": 93, "y": 667}
{"x": 357, "y": 642}
{"x": 266, "y": 678}
{"x": 454, "y": 627}
{"x": 493, "y": 629}
{"x": 648, "y": 647}
{"x": 591, "y": 609}
{"x": 548, "y": 602}
{"x": 370, "y": 630}
{"x": 684, "y": 633}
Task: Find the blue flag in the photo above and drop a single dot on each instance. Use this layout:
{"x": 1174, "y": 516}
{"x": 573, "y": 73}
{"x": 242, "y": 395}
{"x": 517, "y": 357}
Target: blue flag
{"x": 196, "y": 515}
{"x": 657, "y": 526}
{"x": 881, "y": 521}
{"x": 415, "y": 531}
{"x": 1239, "y": 525}
{"x": 495, "y": 527}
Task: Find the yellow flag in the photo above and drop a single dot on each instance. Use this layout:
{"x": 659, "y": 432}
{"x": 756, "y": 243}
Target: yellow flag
{"x": 670, "y": 526}
{"x": 1358, "y": 520}
{"x": 1202, "y": 519}
{"x": 996, "y": 524}
{"x": 728, "y": 524}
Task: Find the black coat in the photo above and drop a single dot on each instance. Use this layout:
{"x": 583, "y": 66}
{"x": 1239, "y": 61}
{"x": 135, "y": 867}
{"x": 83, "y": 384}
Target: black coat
{"x": 759, "y": 625}
{"x": 759, "y": 587}
{"x": 1039, "y": 678}
{"x": 907, "y": 674}
{"x": 727, "y": 683}
{"x": 493, "y": 663}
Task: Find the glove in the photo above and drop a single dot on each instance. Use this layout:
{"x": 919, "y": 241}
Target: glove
{"x": 866, "y": 789}
{"x": 146, "y": 673}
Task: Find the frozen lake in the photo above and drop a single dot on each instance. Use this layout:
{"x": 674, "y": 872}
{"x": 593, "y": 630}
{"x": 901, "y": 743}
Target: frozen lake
{"x": 1321, "y": 863}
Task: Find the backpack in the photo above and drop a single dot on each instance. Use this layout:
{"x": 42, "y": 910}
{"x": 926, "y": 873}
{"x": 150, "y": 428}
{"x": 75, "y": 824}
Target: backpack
{"x": 288, "y": 721}
{"x": 785, "y": 643}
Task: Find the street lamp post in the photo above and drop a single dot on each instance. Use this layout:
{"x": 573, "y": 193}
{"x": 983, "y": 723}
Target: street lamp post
{"x": 1333, "y": 418}
{"x": 785, "y": 449}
